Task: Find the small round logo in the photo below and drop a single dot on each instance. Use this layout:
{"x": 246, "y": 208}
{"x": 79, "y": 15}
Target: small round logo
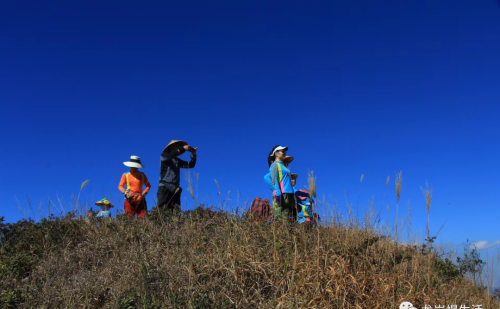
{"x": 406, "y": 305}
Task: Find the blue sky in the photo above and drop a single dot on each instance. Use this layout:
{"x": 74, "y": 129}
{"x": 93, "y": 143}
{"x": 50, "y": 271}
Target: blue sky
{"x": 353, "y": 87}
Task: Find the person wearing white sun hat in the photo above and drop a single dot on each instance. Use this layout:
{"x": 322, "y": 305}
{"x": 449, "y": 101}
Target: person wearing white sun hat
{"x": 284, "y": 197}
{"x": 270, "y": 159}
{"x": 131, "y": 185}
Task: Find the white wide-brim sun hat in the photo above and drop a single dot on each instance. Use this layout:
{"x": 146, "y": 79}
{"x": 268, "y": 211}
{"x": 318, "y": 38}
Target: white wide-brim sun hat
{"x": 135, "y": 161}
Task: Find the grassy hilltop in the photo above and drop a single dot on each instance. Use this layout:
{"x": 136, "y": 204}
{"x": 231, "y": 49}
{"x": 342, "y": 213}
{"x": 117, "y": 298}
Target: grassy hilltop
{"x": 213, "y": 259}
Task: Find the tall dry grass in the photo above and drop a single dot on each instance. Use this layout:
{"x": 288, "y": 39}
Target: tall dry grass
{"x": 428, "y": 200}
{"x": 212, "y": 259}
{"x": 399, "y": 185}
{"x": 216, "y": 259}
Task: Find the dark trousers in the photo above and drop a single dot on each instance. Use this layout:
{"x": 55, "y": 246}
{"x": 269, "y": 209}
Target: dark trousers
{"x": 168, "y": 199}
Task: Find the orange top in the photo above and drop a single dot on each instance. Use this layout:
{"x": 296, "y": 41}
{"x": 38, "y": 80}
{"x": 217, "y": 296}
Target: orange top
{"x": 135, "y": 182}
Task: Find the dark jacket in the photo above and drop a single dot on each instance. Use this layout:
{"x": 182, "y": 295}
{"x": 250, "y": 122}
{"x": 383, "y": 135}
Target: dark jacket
{"x": 170, "y": 170}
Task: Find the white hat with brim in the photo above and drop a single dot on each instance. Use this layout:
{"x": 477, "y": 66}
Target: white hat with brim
{"x": 135, "y": 161}
{"x": 278, "y": 149}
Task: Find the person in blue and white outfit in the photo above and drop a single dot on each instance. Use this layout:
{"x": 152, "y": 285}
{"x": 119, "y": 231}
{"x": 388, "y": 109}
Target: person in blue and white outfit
{"x": 304, "y": 209}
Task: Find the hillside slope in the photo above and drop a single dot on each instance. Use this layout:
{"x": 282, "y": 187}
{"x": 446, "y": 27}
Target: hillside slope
{"x": 208, "y": 259}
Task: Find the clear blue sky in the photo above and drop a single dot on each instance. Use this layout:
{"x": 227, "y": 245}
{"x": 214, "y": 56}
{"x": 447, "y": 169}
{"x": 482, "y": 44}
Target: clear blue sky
{"x": 352, "y": 87}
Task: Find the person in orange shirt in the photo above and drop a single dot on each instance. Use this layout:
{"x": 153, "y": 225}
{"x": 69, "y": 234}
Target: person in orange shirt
{"x": 131, "y": 187}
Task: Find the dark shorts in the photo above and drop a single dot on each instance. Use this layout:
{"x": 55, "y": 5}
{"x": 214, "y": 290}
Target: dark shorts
{"x": 168, "y": 199}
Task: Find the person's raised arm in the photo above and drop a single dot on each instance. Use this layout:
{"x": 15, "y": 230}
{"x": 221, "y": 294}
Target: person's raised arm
{"x": 192, "y": 163}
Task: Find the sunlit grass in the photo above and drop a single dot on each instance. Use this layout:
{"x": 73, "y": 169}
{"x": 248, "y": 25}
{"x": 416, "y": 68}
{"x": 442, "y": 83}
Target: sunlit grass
{"x": 210, "y": 258}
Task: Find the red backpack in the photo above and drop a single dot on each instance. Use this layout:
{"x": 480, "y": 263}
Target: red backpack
{"x": 261, "y": 208}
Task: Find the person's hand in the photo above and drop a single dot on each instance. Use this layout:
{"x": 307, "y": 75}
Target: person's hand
{"x": 189, "y": 148}
{"x": 192, "y": 150}
{"x": 144, "y": 194}
{"x": 128, "y": 195}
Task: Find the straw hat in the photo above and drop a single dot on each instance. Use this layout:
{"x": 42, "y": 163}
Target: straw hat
{"x": 104, "y": 202}
{"x": 135, "y": 161}
{"x": 173, "y": 142}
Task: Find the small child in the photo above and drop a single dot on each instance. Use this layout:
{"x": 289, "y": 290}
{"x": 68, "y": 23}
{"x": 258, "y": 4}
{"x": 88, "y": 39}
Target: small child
{"x": 105, "y": 205}
{"x": 304, "y": 209}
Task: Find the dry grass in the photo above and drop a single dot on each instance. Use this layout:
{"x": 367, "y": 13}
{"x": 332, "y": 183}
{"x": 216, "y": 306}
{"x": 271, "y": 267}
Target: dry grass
{"x": 210, "y": 259}
{"x": 215, "y": 259}
{"x": 399, "y": 184}
{"x": 192, "y": 181}
{"x": 311, "y": 183}
{"x": 428, "y": 200}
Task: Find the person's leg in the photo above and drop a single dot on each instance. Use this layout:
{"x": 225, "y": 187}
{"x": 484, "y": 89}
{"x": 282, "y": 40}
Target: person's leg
{"x": 163, "y": 197}
{"x": 296, "y": 209}
{"x": 276, "y": 209}
{"x": 142, "y": 209}
{"x": 167, "y": 199}
{"x": 129, "y": 209}
{"x": 288, "y": 206}
{"x": 175, "y": 201}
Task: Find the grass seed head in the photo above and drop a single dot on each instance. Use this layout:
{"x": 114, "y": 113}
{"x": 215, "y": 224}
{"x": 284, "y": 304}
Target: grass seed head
{"x": 399, "y": 182}
{"x": 190, "y": 181}
{"x": 428, "y": 195}
{"x": 84, "y": 184}
{"x": 217, "y": 185}
{"x": 311, "y": 180}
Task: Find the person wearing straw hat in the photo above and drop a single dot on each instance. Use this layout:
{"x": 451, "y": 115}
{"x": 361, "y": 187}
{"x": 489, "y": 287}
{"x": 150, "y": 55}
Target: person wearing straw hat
{"x": 284, "y": 199}
{"x": 105, "y": 205}
{"x": 131, "y": 185}
{"x": 169, "y": 190}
